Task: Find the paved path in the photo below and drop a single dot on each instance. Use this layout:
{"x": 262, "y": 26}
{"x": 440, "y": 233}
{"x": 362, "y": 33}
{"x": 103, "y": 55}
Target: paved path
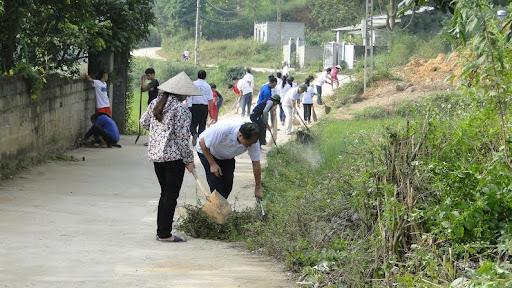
{"x": 150, "y": 52}
{"x": 92, "y": 224}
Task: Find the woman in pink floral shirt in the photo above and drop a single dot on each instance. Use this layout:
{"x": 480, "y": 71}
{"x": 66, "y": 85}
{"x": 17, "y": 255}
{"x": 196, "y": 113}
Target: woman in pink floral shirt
{"x": 168, "y": 122}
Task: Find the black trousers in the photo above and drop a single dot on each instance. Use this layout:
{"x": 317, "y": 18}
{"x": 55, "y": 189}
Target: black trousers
{"x": 307, "y": 112}
{"x": 319, "y": 95}
{"x": 262, "y": 127}
{"x": 224, "y": 183}
{"x": 170, "y": 176}
{"x": 199, "y": 117}
{"x": 97, "y": 132}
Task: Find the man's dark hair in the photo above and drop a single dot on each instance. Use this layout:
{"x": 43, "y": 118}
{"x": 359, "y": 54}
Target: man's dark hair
{"x": 213, "y": 86}
{"x": 248, "y": 70}
{"x": 249, "y": 130}
{"x": 279, "y": 75}
{"x": 201, "y": 74}
{"x": 149, "y": 71}
{"x": 329, "y": 69}
{"x": 100, "y": 74}
{"x": 272, "y": 79}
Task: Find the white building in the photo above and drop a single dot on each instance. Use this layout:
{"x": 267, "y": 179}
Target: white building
{"x": 278, "y": 33}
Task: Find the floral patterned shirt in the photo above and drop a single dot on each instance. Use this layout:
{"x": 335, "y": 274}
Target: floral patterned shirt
{"x": 169, "y": 139}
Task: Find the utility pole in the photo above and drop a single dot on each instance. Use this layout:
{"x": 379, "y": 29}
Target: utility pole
{"x": 368, "y": 43}
{"x": 278, "y": 3}
{"x": 196, "y": 46}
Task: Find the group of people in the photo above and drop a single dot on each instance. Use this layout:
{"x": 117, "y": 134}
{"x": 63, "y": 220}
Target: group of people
{"x": 281, "y": 90}
{"x": 104, "y": 129}
{"x": 177, "y": 115}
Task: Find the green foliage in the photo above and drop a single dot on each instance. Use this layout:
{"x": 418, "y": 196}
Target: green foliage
{"x": 198, "y": 225}
{"x": 331, "y": 14}
{"x": 35, "y": 78}
{"x": 233, "y": 52}
{"x": 404, "y": 46}
{"x": 376, "y": 112}
{"x": 163, "y": 70}
{"x": 56, "y": 35}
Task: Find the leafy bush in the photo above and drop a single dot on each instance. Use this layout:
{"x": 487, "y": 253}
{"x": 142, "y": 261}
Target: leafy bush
{"x": 373, "y": 113}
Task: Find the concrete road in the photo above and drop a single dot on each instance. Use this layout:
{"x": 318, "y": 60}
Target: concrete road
{"x": 92, "y": 224}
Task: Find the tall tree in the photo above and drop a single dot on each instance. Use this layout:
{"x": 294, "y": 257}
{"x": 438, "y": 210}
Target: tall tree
{"x": 128, "y": 22}
{"x": 334, "y": 13}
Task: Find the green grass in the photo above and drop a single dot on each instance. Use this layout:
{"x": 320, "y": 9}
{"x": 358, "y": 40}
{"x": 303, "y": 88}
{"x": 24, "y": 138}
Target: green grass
{"x": 232, "y": 52}
{"x": 220, "y": 75}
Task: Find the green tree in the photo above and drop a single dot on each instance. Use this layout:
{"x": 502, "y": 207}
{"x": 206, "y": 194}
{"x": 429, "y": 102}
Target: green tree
{"x": 331, "y": 14}
{"x": 126, "y": 23}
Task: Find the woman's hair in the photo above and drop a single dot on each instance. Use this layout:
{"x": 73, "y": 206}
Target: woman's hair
{"x": 158, "y": 110}
{"x": 99, "y": 75}
{"x": 309, "y": 79}
{"x": 285, "y": 79}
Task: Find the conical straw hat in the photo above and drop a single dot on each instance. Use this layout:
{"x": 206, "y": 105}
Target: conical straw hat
{"x": 180, "y": 84}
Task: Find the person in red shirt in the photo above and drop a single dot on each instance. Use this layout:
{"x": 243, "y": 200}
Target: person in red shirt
{"x": 213, "y": 109}
{"x": 237, "y": 92}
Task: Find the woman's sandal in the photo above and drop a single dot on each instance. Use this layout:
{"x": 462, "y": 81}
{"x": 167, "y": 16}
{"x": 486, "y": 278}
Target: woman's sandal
{"x": 173, "y": 238}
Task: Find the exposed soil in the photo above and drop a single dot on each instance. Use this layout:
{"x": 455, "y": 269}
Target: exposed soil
{"x": 419, "y": 78}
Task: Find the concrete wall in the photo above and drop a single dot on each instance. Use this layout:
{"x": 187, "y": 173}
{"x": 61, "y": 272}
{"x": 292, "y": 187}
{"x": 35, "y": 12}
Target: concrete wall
{"x": 268, "y": 32}
{"x": 30, "y": 130}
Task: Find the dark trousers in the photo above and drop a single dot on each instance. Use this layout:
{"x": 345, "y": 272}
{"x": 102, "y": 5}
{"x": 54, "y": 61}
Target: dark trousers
{"x": 262, "y": 127}
{"x": 224, "y": 183}
{"x": 97, "y": 132}
{"x": 170, "y": 176}
{"x": 199, "y": 117}
{"x": 246, "y": 103}
{"x": 282, "y": 116}
{"x": 307, "y": 112}
{"x": 319, "y": 95}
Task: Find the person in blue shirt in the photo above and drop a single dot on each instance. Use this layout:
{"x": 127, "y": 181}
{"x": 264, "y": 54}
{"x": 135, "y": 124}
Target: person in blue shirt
{"x": 259, "y": 115}
{"x": 104, "y": 130}
{"x": 266, "y": 90}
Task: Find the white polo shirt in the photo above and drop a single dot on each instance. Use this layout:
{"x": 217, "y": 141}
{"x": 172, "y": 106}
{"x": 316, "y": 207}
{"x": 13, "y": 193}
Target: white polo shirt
{"x": 247, "y": 84}
{"x": 222, "y": 141}
{"x": 290, "y": 96}
{"x": 100, "y": 88}
{"x": 206, "y": 93}
{"x": 322, "y": 79}
{"x": 307, "y": 97}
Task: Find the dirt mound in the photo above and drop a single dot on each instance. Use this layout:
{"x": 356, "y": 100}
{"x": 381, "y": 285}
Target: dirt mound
{"x": 429, "y": 71}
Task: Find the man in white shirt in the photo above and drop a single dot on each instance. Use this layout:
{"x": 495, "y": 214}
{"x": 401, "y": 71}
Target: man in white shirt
{"x": 324, "y": 78}
{"x": 198, "y": 105}
{"x": 246, "y": 86}
{"x": 217, "y": 148}
{"x": 289, "y": 104}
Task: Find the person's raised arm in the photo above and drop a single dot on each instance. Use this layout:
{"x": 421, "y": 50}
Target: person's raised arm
{"x": 87, "y": 77}
{"x": 143, "y": 86}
